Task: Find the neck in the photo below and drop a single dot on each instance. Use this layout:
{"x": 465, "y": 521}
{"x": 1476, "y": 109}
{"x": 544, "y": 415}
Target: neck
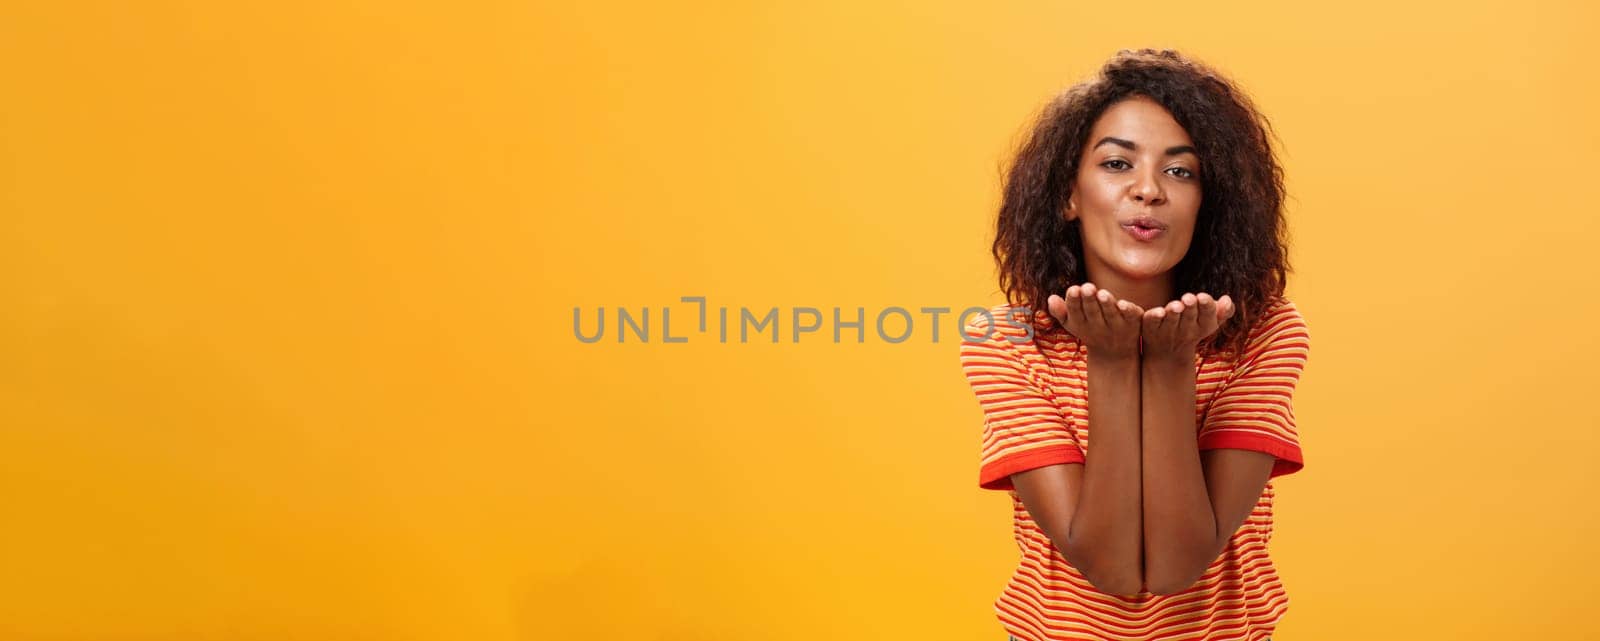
{"x": 1147, "y": 293}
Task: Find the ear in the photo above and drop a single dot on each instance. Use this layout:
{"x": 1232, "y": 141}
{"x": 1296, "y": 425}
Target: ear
{"x": 1071, "y": 212}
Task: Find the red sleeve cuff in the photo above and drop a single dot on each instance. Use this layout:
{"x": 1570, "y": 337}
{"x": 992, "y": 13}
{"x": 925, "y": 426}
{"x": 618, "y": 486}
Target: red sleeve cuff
{"x": 997, "y": 475}
{"x": 1288, "y": 454}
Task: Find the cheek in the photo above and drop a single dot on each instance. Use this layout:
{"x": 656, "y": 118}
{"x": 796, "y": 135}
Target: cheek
{"x": 1187, "y": 228}
{"x": 1185, "y": 232}
{"x": 1097, "y": 197}
{"x": 1188, "y": 202}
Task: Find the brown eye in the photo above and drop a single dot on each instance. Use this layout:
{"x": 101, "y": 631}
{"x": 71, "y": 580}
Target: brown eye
{"x": 1183, "y": 172}
{"x": 1107, "y": 164}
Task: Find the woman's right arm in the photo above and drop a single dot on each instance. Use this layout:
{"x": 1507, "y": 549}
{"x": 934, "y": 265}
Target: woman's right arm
{"x": 1092, "y": 511}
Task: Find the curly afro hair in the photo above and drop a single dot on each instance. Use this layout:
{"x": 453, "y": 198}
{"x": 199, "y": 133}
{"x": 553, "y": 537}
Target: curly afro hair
{"x": 1240, "y": 239}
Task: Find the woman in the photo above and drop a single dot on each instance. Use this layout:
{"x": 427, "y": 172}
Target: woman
{"x": 1138, "y": 413}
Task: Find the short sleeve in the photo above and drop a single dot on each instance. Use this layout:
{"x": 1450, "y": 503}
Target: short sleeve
{"x": 1255, "y": 408}
{"x": 1023, "y": 428}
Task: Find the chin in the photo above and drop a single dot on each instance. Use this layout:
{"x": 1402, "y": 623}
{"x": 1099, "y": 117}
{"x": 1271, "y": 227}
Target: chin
{"x": 1143, "y": 271}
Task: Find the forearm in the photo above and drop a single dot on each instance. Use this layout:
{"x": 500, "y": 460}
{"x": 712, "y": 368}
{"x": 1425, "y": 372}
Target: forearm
{"x": 1180, "y": 530}
{"x": 1104, "y": 540}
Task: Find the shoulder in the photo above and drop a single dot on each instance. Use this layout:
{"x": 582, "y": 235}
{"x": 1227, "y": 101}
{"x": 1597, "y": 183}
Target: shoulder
{"x": 1010, "y": 326}
{"x": 1003, "y": 320}
{"x": 1281, "y": 328}
{"x": 1281, "y": 314}
{"x": 1001, "y": 334}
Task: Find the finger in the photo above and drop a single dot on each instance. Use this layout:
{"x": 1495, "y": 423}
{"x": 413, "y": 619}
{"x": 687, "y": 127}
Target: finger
{"x": 1094, "y": 308}
{"x": 1208, "y": 311}
{"x": 1151, "y": 322}
{"x": 1173, "y": 322}
{"x": 1207, "y": 314}
{"x": 1130, "y": 312}
{"x": 1226, "y": 307}
{"x": 1125, "y": 314}
{"x": 1110, "y": 308}
{"x": 1058, "y": 308}
{"x": 1154, "y": 318}
{"x": 1190, "y": 323}
{"x": 1075, "y": 305}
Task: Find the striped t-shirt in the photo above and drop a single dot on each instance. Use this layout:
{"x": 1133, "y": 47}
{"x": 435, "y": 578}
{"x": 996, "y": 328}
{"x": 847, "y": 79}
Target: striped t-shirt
{"x": 1035, "y": 413}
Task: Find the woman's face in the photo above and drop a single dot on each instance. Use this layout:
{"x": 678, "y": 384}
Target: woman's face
{"x": 1137, "y": 192}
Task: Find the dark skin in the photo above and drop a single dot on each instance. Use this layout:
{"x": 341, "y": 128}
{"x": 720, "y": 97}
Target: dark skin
{"x": 1147, "y": 510}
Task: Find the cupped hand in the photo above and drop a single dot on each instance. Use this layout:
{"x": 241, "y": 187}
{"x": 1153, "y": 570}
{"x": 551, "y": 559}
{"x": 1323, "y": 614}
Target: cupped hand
{"x": 1177, "y": 328}
{"x": 1107, "y": 325}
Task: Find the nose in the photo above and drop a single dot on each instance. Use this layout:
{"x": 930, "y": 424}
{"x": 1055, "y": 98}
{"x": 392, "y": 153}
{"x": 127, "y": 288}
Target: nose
{"x": 1147, "y": 189}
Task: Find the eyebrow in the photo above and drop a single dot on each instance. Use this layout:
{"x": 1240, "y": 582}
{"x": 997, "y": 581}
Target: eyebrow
{"x": 1128, "y": 144}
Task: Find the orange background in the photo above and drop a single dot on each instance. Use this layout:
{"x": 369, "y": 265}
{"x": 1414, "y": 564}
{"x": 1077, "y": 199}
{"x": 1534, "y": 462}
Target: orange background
{"x": 288, "y": 335}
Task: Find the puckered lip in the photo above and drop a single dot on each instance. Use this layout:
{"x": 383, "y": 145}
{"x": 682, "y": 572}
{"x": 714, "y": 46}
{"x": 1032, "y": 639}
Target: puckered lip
{"x": 1144, "y": 221}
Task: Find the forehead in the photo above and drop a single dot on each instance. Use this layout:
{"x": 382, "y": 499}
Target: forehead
{"x": 1142, "y": 121}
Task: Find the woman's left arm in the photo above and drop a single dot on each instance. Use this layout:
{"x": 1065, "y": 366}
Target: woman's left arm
{"x": 1192, "y": 503}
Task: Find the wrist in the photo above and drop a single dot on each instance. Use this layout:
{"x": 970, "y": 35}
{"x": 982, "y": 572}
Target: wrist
{"x": 1169, "y": 359}
{"x": 1127, "y": 356}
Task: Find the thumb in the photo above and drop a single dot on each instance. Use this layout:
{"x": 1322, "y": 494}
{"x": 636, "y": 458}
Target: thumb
{"x": 1225, "y": 307}
{"x": 1057, "y": 307}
